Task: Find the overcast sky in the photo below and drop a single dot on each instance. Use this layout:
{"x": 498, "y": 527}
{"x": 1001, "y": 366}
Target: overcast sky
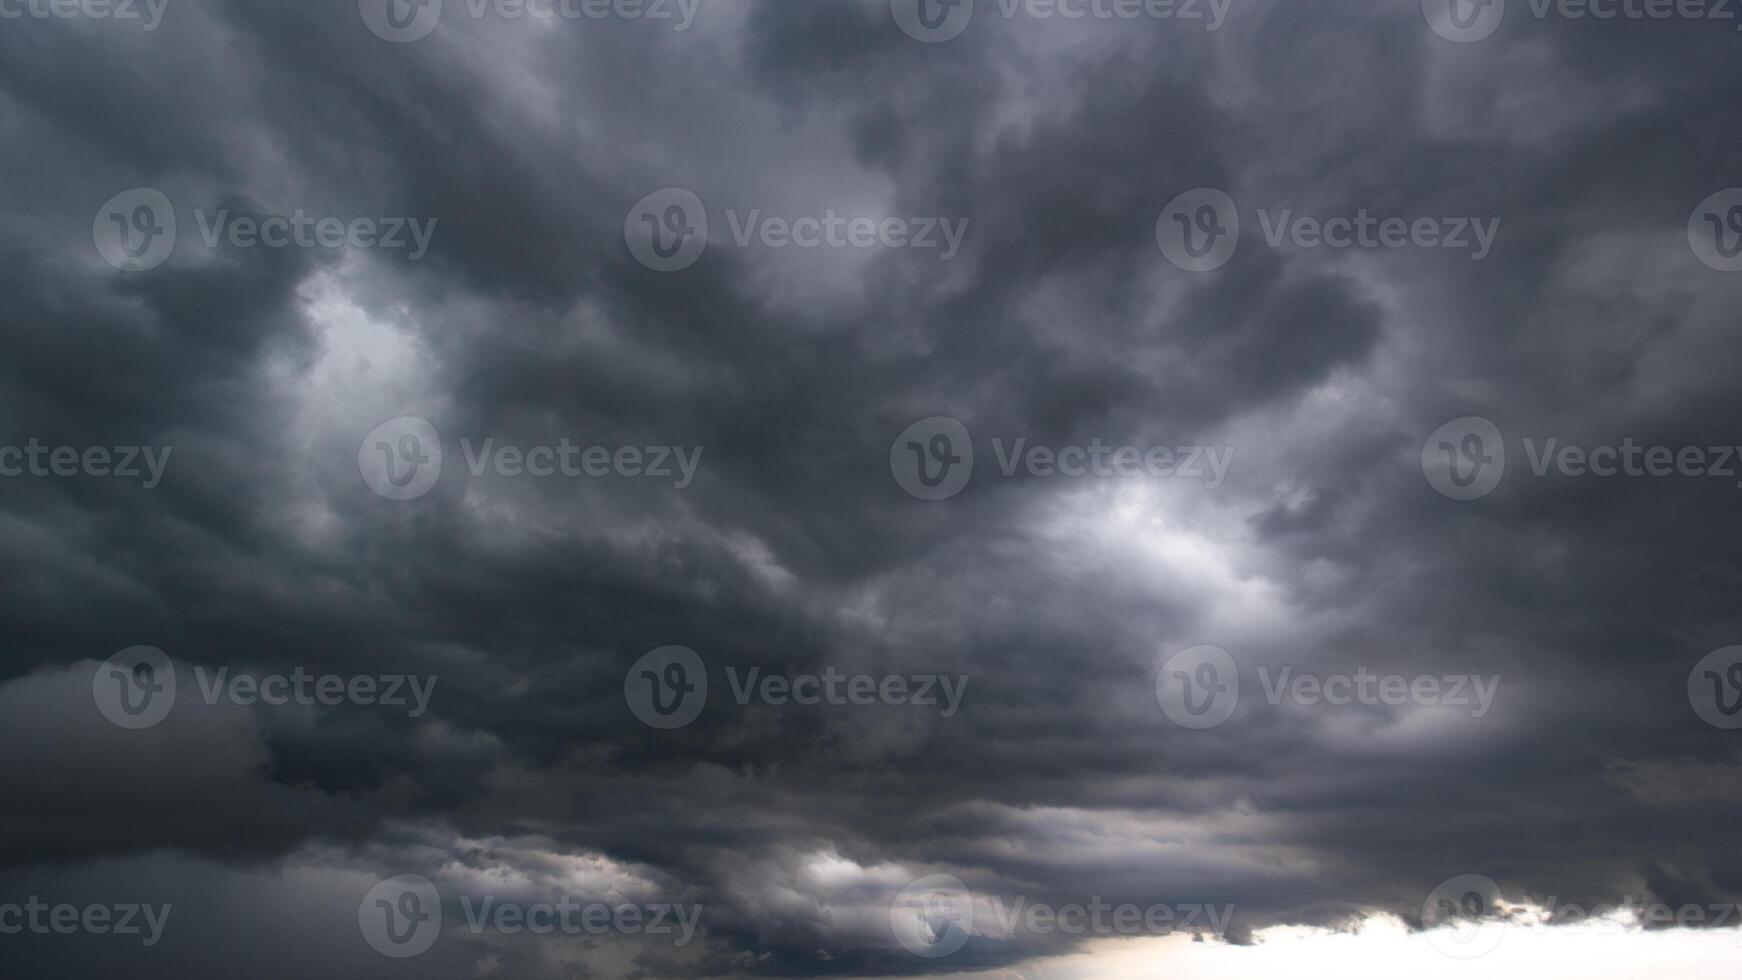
{"x": 859, "y": 472}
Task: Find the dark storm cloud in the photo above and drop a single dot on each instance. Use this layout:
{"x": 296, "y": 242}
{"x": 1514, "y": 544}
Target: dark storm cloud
{"x": 529, "y": 321}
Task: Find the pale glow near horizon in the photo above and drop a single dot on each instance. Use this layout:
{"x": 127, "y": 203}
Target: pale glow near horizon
{"x": 1385, "y": 949}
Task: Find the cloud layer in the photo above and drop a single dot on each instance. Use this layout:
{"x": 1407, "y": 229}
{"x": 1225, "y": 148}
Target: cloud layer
{"x": 522, "y": 143}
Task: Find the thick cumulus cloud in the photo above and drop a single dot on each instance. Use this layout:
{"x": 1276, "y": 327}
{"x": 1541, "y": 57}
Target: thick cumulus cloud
{"x": 793, "y": 828}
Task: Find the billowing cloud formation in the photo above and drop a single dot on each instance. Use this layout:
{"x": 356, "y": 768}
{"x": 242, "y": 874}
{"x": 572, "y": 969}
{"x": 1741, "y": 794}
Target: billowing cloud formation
{"x": 508, "y": 154}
